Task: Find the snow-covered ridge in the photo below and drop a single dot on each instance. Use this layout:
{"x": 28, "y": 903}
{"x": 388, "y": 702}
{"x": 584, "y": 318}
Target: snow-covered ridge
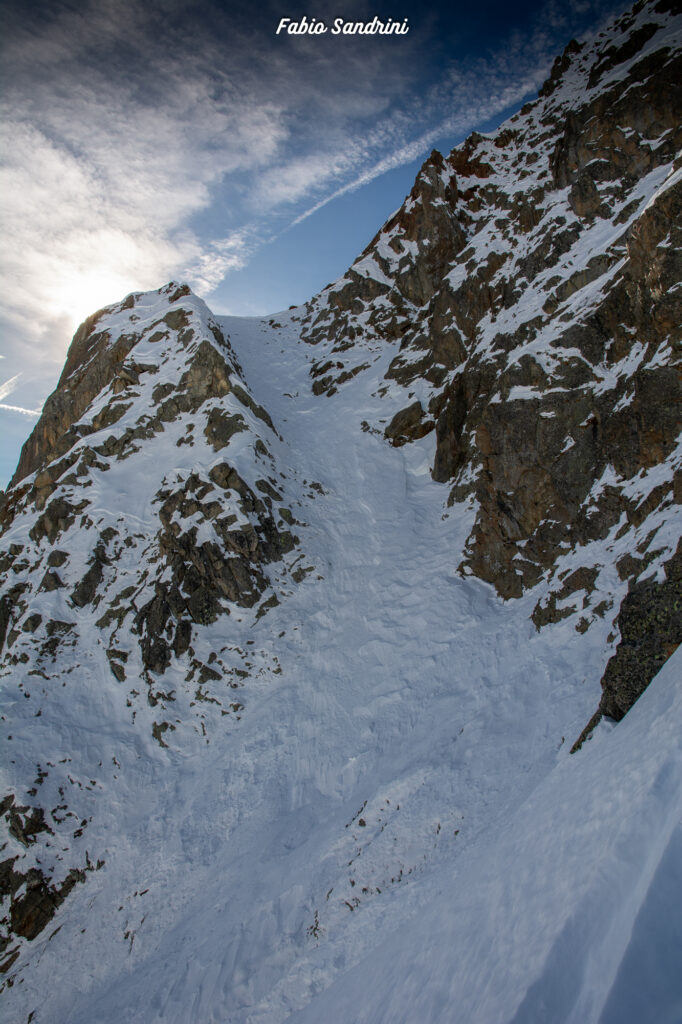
{"x": 151, "y": 514}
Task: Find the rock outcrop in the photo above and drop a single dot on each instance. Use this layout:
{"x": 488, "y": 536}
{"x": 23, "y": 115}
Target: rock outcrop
{"x": 650, "y": 625}
{"x": 530, "y": 284}
{"x": 145, "y": 508}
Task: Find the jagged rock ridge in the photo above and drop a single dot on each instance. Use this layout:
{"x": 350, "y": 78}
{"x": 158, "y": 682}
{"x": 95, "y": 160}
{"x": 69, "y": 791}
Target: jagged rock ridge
{"x": 531, "y": 280}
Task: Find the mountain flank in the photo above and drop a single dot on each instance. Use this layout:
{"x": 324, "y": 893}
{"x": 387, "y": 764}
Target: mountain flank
{"x": 300, "y": 615}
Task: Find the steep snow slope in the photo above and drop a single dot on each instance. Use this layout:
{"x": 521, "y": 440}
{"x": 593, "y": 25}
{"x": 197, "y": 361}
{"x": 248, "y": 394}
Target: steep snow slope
{"x": 300, "y": 616}
{"x": 564, "y": 911}
{"x": 415, "y": 716}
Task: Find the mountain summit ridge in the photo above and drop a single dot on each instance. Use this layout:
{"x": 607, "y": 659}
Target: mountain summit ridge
{"x": 300, "y": 615}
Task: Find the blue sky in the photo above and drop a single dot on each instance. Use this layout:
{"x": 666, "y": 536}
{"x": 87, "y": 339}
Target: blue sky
{"x": 146, "y": 140}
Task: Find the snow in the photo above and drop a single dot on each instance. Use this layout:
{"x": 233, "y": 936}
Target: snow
{"x": 557, "y": 903}
{"x": 373, "y": 816}
{"x": 410, "y": 698}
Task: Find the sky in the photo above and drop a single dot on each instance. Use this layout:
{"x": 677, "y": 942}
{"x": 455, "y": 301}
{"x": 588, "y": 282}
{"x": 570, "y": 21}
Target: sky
{"x": 145, "y": 141}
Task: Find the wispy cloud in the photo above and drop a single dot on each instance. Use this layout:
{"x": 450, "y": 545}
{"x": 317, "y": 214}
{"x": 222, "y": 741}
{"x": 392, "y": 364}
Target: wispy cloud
{"x": 6, "y": 390}
{"x": 33, "y": 413}
{"x": 474, "y": 97}
{"x": 139, "y": 145}
{"x": 221, "y": 256}
{"x": 8, "y": 387}
{"x": 472, "y": 91}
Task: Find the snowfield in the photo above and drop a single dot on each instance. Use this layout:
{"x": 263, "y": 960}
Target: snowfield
{"x": 394, "y": 829}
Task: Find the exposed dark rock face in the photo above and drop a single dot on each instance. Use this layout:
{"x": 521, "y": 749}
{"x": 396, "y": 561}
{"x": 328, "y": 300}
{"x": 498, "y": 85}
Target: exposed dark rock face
{"x": 650, "y": 624}
{"x": 407, "y": 425}
{"x": 97, "y": 376}
{"x": 202, "y": 575}
{"x": 32, "y": 897}
{"x": 95, "y": 360}
{"x": 532, "y": 279}
{"x": 35, "y": 907}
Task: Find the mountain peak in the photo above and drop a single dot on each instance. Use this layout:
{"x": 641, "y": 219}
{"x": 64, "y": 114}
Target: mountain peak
{"x": 96, "y": 360}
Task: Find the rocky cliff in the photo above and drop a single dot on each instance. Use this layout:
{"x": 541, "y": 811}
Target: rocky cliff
{"x": 144, "y": 509}
{"x": 531, "y": 284}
